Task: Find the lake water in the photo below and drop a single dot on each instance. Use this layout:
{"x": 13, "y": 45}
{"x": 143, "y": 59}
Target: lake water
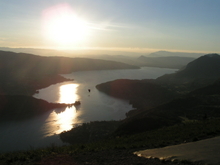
{"x": 43, "y": 130}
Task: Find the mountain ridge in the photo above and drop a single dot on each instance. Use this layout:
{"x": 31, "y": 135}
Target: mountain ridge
{"x": 175, "y": 62}
{"x": 180, "y": 54}
{"x": 202, "y": 71}
{"x": 23, "y": 73}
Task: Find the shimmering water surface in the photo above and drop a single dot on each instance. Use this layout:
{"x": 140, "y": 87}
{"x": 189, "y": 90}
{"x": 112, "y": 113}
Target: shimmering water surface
{"x": 42, "y": 130}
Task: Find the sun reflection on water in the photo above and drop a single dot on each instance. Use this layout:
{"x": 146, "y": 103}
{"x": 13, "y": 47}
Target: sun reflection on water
{"x": 68, "y": 93}
{"x": 63, "y": 119}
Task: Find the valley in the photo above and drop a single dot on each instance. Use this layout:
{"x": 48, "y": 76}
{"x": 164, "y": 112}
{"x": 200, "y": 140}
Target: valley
{"x": 168, "y": 102}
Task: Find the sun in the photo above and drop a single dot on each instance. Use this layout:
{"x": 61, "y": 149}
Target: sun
{"x": 66, "y": 29}
{"x": 63, "y": 26}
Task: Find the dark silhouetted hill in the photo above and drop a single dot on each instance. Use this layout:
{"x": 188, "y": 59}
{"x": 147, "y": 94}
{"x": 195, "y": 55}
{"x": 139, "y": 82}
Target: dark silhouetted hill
{"x": 141, "y": 93}
{"x": 201, "y": 104}
{"x": 198, "y": 73}
{"x": 19, "y": 107}
{"x": 213, "y": 89}
{"x": 165, "y": 62}
{"x": 22, "y": 73}
{"x": 203, "y": 67}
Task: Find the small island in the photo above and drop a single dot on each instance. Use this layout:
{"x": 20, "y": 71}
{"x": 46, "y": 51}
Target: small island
{"x": 76, "y": 103}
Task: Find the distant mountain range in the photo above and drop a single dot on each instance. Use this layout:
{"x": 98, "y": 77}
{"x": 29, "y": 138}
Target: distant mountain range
{"x": 163, "y": 59}
{"x": 179, "y": 54}
{"x": 172, "y": 61}
{"x": 36, "y": 51}
{"x": 165, "y": 62}
{"x": 85, "y": 53}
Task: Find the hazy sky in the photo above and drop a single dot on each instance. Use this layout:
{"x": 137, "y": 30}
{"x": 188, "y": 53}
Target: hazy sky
{"x": 178, "y": 25}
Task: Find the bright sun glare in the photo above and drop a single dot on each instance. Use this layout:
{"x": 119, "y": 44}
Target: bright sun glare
{"x": 63, "y": 26}
{"x": 68, "y": 93}
{"x": 64, "y": 120}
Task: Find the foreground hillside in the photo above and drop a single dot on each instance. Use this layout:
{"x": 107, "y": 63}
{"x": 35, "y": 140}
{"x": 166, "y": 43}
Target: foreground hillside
{"x": 118, "y": 150}
{"x": 192, "y": 107}
{"x": 154, "y": 111}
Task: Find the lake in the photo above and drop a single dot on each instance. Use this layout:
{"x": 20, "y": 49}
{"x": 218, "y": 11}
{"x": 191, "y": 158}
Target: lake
{"x": 43, "y": 130}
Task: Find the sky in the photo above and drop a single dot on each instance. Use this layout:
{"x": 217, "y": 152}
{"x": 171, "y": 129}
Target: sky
{"x": 126, "y": 25}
